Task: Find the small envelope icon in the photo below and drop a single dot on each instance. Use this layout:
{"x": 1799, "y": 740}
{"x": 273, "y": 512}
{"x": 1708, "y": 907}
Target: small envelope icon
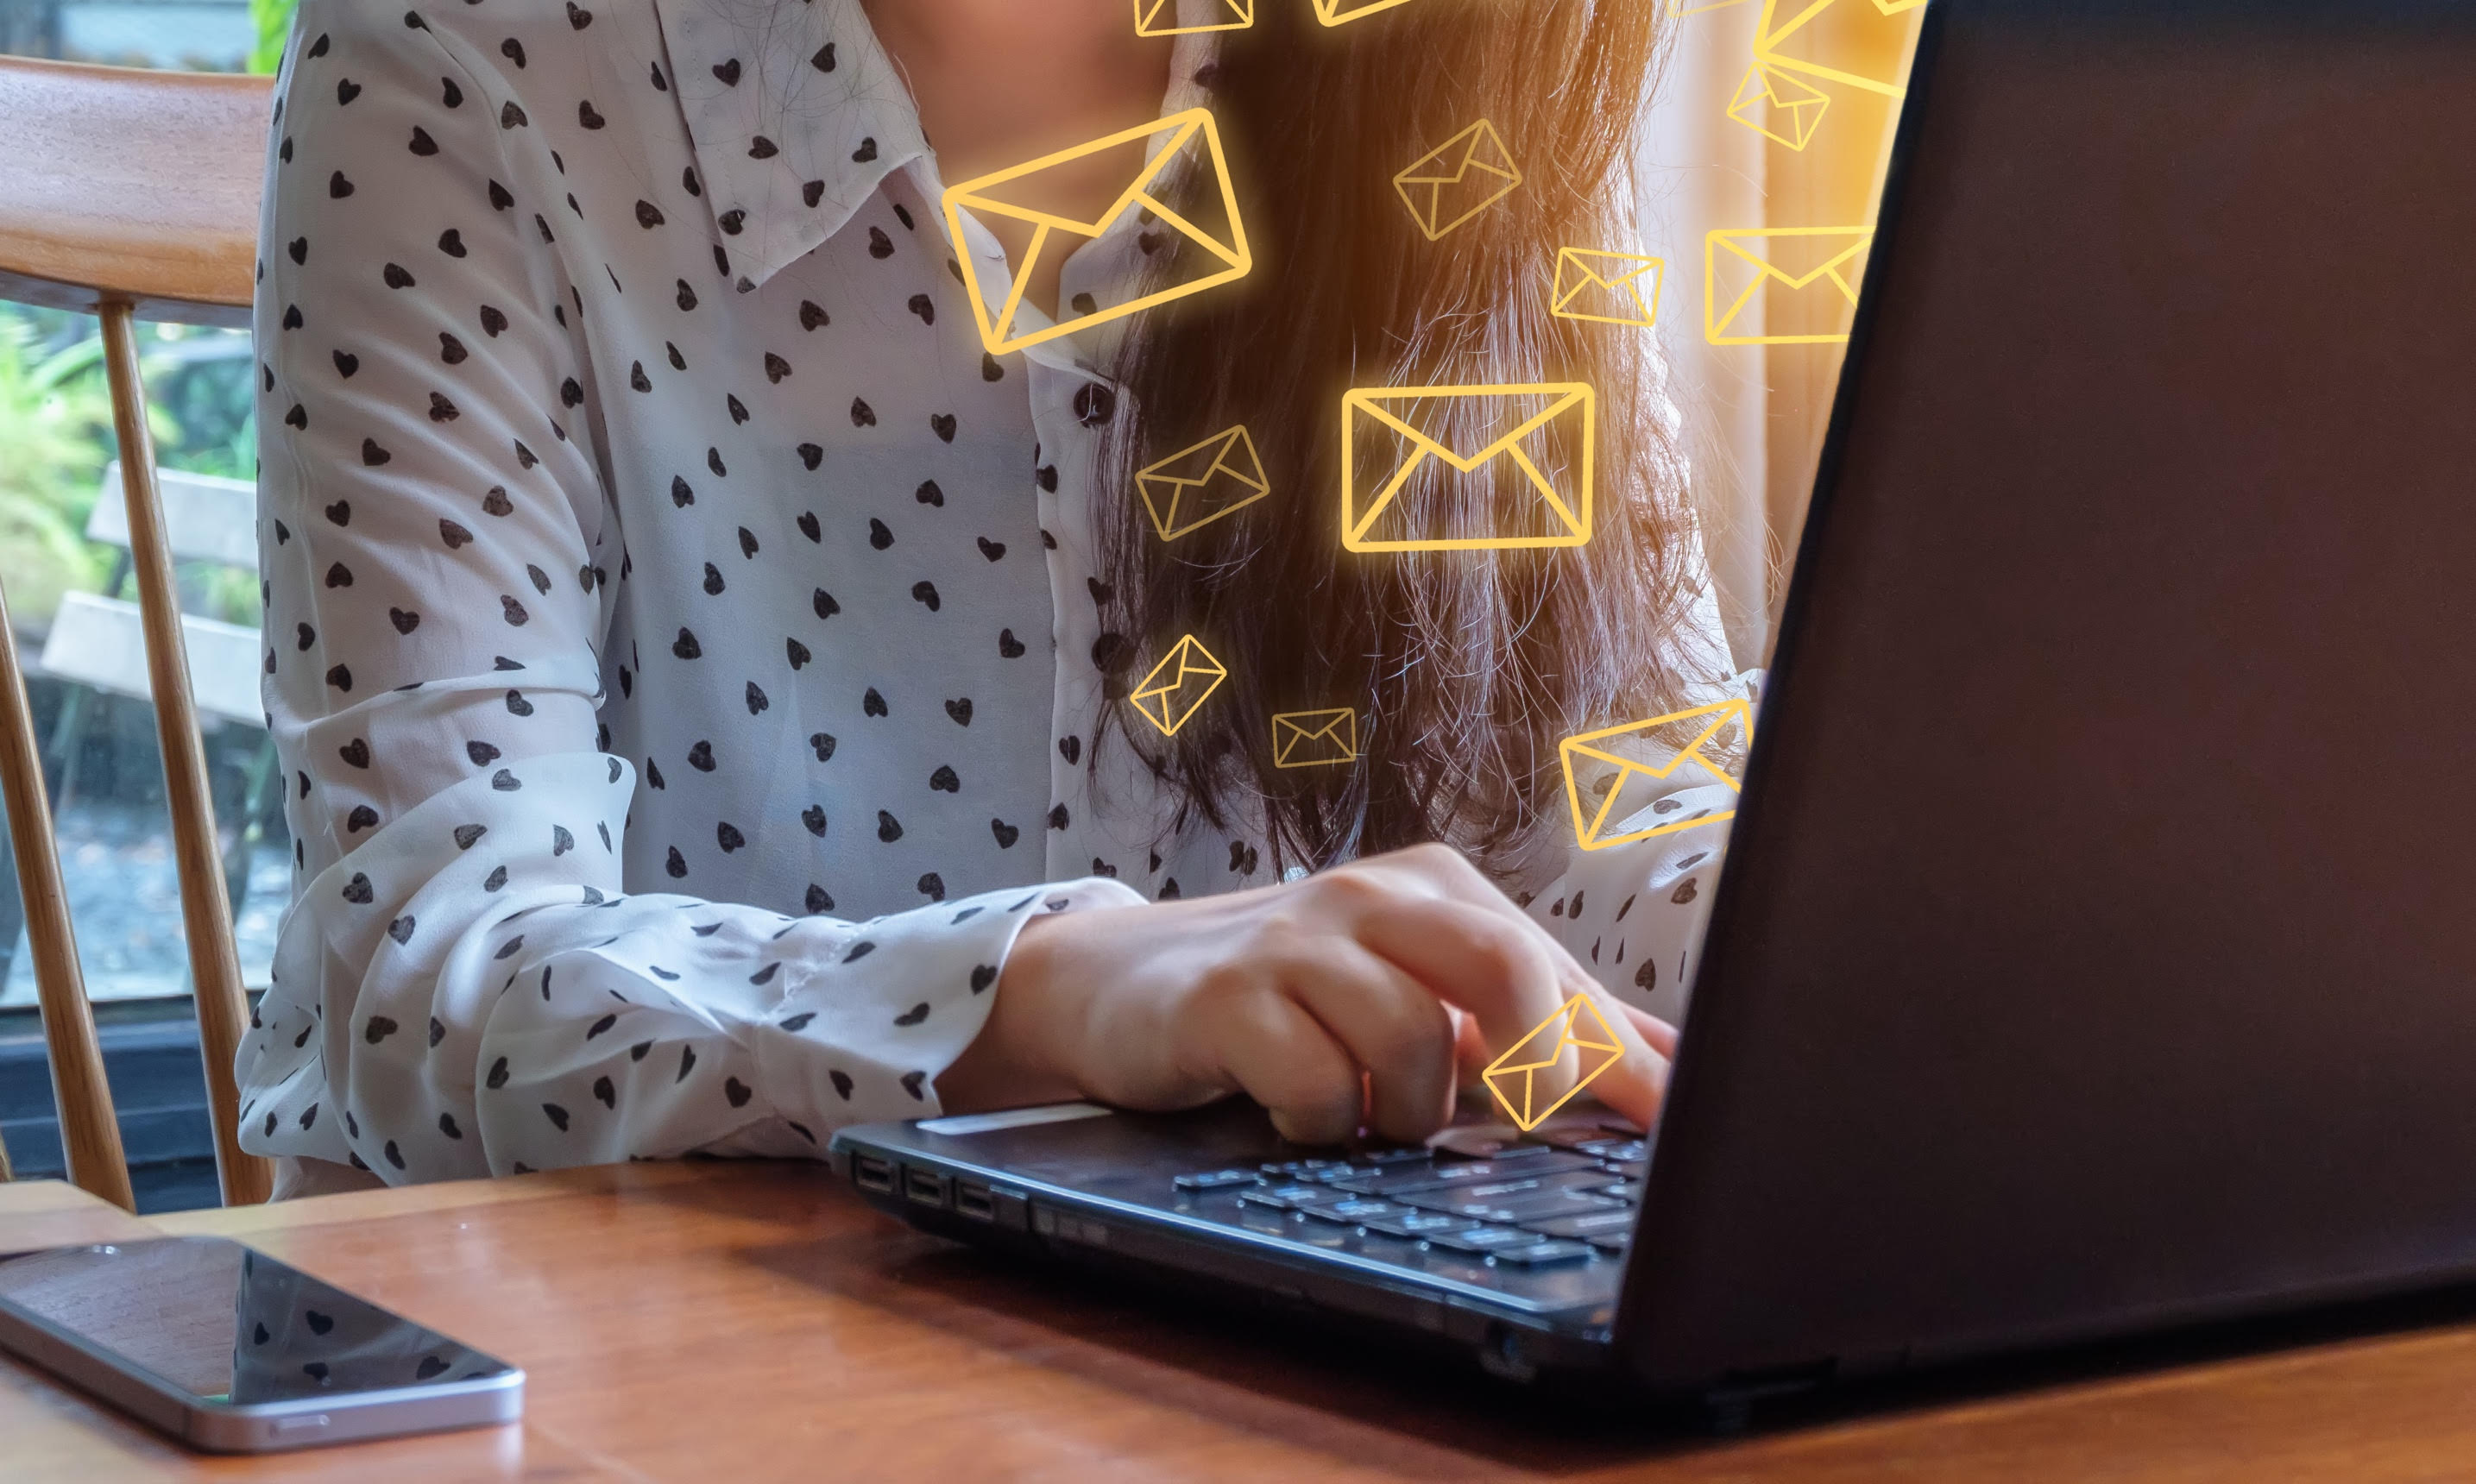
{"x": 1607, "y": 288}
{"x": 1606, "y": 754}
{"x": 1738, "y": 266}
{"x": 1196, "y": 486}
{"x": 1513, "y": 1078}
{"x": 1779, "y": 106}
{"x": 1784, "y": 37}
{"x": 1055, "y": 236}
{"x": 1176, "y": 690}
{"x": 1159, "y": 17}
{"x": 1315, "y": 739}
{"x": 1519, "y": 425}
{"x": 1458, "y": 178}
{"x": 1341, "y": 12}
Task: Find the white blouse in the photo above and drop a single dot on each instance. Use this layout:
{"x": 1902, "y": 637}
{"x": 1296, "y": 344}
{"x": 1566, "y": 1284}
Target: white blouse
{"x": 679, "y": 629}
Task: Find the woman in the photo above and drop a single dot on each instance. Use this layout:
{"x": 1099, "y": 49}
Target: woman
{"x": 705, "y": 668}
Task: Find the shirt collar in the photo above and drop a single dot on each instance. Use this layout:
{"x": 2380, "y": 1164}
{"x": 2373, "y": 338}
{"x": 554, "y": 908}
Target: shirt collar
{"x": 796, "y": 114}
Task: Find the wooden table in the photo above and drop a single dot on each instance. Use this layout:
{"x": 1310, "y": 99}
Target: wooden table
{"x": 751, "y": 1322}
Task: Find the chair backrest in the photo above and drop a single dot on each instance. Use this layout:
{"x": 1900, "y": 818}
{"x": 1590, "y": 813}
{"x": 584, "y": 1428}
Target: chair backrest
{"x": 131, "y": 194}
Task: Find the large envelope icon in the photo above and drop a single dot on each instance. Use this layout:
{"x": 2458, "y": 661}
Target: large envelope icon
{"x": 1778, "y": 106}
{"x": 1054, "y": 235}
{"x": 1341, "y": 12}
{"x": 1551, "y": 511}
{"x": 1176, "y": 688}
{"x": 1606, "y": 754}
{"x": 1786, "y": 36}
{"x": 1458, "y": 178}
{"x": 1513, "y": 1078}
{"x": 1159, "y": 17}
{"x": 1196, "y": 486}
{"x": 1315, "y": 739}
{"x": 1607, "y": 288}
{"x": 1814, "y": 260}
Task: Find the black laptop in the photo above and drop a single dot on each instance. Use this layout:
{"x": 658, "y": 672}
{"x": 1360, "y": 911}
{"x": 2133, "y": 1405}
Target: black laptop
{"x": 2097, "y": 947}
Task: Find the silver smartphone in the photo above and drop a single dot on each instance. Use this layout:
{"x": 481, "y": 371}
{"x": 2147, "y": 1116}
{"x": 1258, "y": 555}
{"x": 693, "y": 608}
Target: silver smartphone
{"x": 231, "y": 1352}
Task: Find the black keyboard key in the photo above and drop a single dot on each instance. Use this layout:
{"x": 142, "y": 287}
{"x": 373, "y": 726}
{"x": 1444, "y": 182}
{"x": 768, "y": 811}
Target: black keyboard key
{"x": 1215, "y": 1179}
{"x": 1629, "y": 1191}
{"x": 1626, "y": 1152}
{"x": 1303, "y": 1169}
{"x": 1293, "y": 1197}
{"x": 1479, "y": 1240}
{"x": 1616, "y": 1224}
{"x": 1541, "y": 1254}
{"x": 1411, "y": 1224}
{"x": 1610, "y": 1241}
{"x": 1412, "y": 1177}
{"x": 1351, "y": 1213}
{"x": 1382, "y": 1158}
{"x": 1551, "y": 1203}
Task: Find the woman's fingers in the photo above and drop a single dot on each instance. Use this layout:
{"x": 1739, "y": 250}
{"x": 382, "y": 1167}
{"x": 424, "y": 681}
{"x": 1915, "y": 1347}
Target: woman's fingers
{"x": 1284, "y": 1059}
{"x": 1391, "y": 1026}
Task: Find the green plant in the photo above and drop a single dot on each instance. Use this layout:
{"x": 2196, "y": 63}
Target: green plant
{"x": 273, "y": 19}
{"x": 55, "y": 417}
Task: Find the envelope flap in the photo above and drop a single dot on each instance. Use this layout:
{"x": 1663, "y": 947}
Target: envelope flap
{"x": 1608, "y": 270}
{"x": 1797, "y": 256}
{"x": 1312, "y": 725}
{"x": 1583, "y": 1020}
{"x": 1001, "y": 193}
{"x": 1475, "y": 148}
{"x": 1488, "y": 420}
{"x": 1198, "y": 464}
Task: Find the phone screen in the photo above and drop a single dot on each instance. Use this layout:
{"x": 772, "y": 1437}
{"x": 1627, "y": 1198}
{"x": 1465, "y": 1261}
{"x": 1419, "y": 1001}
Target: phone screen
{"x": 231, "y": 1326}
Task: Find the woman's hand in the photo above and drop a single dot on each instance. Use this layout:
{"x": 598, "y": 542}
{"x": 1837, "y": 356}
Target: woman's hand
{"x": 1357, "y": 995}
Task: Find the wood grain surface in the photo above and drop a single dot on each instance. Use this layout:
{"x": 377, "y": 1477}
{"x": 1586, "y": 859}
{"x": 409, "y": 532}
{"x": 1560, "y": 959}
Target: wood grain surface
{"x": 143, "y": 185}
{"x": 753, "y": 1321}
{"x": 221, "y": 1002}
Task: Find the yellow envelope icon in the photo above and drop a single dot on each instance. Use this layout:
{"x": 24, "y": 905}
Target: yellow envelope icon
{"x": 1159, "y": 17}
{"x": 1606, "y": 288}
{"x": 1784, "y": 37}
{"x": 1315, "y": 739}
{"x": 1176, "y": 688}
{"x": 1778, "y": 106}
{"x": 1055, "y": 235}
{"x": 1805, "y": 259}
{"x": 1196, "y": 486}
{"x": 1597, "y": 752}
{"x": 1458, "y": 178}
{"x": 1513, "y": 1078}
{"x": 1341, "y": 12}
{"x": 1551, "y": 512}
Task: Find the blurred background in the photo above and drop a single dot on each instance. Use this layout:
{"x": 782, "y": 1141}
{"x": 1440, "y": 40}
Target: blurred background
{"x": 101, "y": 761}
{"x": 1724, "y": 150}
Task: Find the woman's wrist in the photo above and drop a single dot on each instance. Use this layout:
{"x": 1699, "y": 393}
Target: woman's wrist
{"x": 1014, "y": 1061}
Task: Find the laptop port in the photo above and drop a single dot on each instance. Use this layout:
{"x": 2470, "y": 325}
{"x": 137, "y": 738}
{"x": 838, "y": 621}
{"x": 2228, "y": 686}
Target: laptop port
{"x": 870, "y": 1173}
{"x": 973, "y": 1201}
{"x": 925, "y": 1187}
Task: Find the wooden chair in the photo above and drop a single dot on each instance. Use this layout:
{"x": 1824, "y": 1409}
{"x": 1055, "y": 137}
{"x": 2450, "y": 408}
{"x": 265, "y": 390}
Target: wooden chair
{"x": 131, "y": 195}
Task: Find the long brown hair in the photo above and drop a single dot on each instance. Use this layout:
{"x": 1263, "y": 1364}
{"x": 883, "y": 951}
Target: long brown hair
{"x": 1465, "y": 667}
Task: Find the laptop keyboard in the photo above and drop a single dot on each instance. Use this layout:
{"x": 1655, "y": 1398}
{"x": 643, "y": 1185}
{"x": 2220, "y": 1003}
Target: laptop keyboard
{"x": 1562, "y": 1196}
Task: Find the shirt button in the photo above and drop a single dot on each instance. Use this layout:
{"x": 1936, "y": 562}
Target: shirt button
{"x": 1095, "y": 404}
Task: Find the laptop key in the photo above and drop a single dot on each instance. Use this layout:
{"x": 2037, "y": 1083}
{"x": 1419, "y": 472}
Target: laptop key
{"x": 1411, "y": 1224}
{"x": 1479, "y": 1240}
{"x": 1587, "y": 1224}
{"x": 1351, "y": 1213}
{"x": 1627, "y": 1152}
{"x": 1610, "y": 1241}
{"x": 1432, "y": 1177}
{"x": 1540, "y": 1255}
{"x": 1215, "y": 1179}
{"x": 1293, "y": 1198}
